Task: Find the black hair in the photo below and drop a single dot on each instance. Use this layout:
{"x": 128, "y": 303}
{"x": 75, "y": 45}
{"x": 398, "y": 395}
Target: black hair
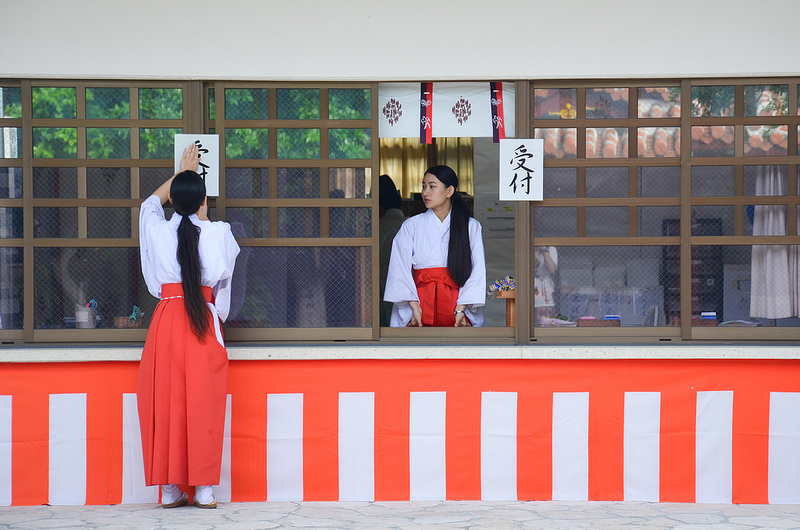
{"x": 459, "y": 252}
{"x": 188, "y": 191}
{"x": 388, "y": 196}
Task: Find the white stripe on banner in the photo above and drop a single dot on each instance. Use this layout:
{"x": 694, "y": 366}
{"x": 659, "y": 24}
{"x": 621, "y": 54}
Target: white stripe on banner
{"x": 134, "y": 489}
{"x": 5, "y": 450}
{"x": 714, "y": 447}
{"x": 426, "y": 444}
{"x": 642, "y": 434}
{"x": 356, "y": 446}
{"x": 784, "y": 448}
{"x": 499, "y": 446}
{"x": 67, "y": 467}
{"x": 223, "y": 491}
{"x": 570, "y": 446}
{"x": 285, "y": 447}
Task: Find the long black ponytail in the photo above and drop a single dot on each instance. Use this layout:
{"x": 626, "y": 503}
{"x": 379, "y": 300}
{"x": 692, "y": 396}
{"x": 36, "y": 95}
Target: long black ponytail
{"x": 459, "y": 252}
{"x": 188, "y": 191}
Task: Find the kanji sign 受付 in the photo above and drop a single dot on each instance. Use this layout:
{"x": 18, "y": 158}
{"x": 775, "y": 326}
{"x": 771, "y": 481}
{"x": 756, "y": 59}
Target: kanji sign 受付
{"x": 521, "y": 170}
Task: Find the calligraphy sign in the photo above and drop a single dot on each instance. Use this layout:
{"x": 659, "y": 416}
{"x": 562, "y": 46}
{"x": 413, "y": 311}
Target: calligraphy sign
{"x": 208, "y": 147}
{"x": 521, "y": 170}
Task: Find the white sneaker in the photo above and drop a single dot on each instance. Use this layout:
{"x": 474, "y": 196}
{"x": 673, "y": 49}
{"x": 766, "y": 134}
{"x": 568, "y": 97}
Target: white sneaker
{"x": 204, "y": 497}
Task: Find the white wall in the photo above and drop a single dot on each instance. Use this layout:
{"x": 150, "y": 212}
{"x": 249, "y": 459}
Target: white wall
{"x": 406, "y": 40}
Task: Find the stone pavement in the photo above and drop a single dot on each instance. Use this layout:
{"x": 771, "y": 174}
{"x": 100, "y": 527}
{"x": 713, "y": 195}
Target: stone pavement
{"x": 433, "y": 515}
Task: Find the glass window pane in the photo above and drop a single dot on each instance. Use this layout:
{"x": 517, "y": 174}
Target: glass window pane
{"x": 150, "y": 178}
{"x": 108, "y": 103}
{"x": 555, "y": 103}
{"x": 349, "y": 104}
{"x": 766, "y": 140}
{"x": 247, "y": 143}
{"x": 247, "y": 183}
{"x": 298, "y": 222}
{"x": 11, "y": 144}
{"x": 555, "y": 221}
{"x": 350, "y": 222}
{"x": 55, "y": 222}
{"x": 10, "y": 182}
{"x": 660, "y": 102}
{"x": 55, "y": 182}
{"x": 108, "y": 222}
{"x": 299, "y": 183}
{"x": 66, "y": 278}
{"x": 55, "y": 142}
{"x": 54, "y": 102}
{"x": 160, "y": 103}
{"x": 606, "y": 221}
{"x": 607, "y": 286}
{"x": 713, "y": 181}
{"x": 762, "y": 181}
{"x": 606, "y": 182}
{"x": 350, "y": 143}
{"x": 212, "y": 104}
{"x": 248, "y": 222}
{"x": 766, "y": 100}
{"x": 607, "y": 142}
{"x": 108, "y": 142}
{"x": 246, "y": 103}
{"x": 659, "y": 181}
{"x": 560, "y": 182}
{"x": 302, "y": 287}
{"x": 713, "y": 220}
{"x": 765, "y": 220}
{"x": 108, "y": 182}
{"x": 298, "y": 103}
{"x": 714, "y": 140}
{"x": 558, "y": 142}
{"x": 10, "y": 223}
{"x": 11, "y": 295}
{"x": 650, "y": 219}
{"x": 298, "y": 143}
{"x": 157, "y": 143}
{"x": 710, "y": 101}
{"x": 349, "y": 182}
{"x": 602, "y": 103}
{"x": 10, "y": 102}
{"x": 659, "y": 142}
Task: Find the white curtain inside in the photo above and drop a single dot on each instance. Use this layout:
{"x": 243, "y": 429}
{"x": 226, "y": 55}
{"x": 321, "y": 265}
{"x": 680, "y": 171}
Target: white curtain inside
{"x": 774, "y": 284}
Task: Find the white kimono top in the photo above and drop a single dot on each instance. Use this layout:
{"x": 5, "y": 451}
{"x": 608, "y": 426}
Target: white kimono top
{"x": 422, "y": 243}
{"x": 158, "y": 243}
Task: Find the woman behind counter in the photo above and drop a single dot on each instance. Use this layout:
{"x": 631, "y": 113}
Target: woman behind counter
{"x": 187, "y": 262}
{"x": 437, "y": 272}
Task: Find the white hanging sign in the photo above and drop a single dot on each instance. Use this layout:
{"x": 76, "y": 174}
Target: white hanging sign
{"x": 521, "y": 170}
{"x": 208, "y": 146}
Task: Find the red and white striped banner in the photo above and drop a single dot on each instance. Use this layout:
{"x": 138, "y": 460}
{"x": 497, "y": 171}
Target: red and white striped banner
{"x": 722, "y": 431}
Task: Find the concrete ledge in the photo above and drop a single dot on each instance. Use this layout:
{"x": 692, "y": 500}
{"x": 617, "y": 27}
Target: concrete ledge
{"x": 41, "y": 354}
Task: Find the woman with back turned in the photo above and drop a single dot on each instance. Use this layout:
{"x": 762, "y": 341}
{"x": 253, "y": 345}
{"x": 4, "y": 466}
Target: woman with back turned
{"x": 187, "y": 262}
{"x": 437, "y": 272}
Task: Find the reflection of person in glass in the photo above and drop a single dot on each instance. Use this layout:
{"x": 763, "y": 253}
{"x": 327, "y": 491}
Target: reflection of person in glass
{"x": 546, "y": 262}
{"x": 437, "y": 272}
{"x": 181, "y": 389}
{"x": 391, "y": 219}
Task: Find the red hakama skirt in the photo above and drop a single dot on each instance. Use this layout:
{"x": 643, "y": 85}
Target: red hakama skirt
{"x": 181, "y": 392}
{"x": 438, "y": 294}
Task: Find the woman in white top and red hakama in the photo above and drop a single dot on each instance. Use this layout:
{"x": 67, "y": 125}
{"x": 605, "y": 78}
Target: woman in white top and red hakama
{"x": 183, "y": 375}
{"x": 437, "y": 272}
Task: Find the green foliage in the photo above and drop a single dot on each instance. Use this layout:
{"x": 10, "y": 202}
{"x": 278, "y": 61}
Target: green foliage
{"x": 108, "y": 142}
{"x": 298, "y": 104}
{"x": 160, "y": 103}
{"x": 247, "y": 143}
{"x": 349, "y": 104}
{"x": 298, "y": 143}
{"x": 157, "y": 143}
{"x": 55, "y": 142}
{"x": 717, "y": 100}
{"x": 11, "y": 102}
{"x": 54, "y": 102}
{"x": 350, "y": 143}
{"x": 246, "y": 104}
{"x": 108, "y": 103}
{"x": 212, "y": 105}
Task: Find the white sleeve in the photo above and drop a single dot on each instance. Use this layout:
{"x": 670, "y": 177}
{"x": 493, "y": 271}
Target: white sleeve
{"x": 400, "y": 286}
{"x": 222, "y": 290}
{"x": 473, "y": 292}
{"x": 150, "y": 214}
